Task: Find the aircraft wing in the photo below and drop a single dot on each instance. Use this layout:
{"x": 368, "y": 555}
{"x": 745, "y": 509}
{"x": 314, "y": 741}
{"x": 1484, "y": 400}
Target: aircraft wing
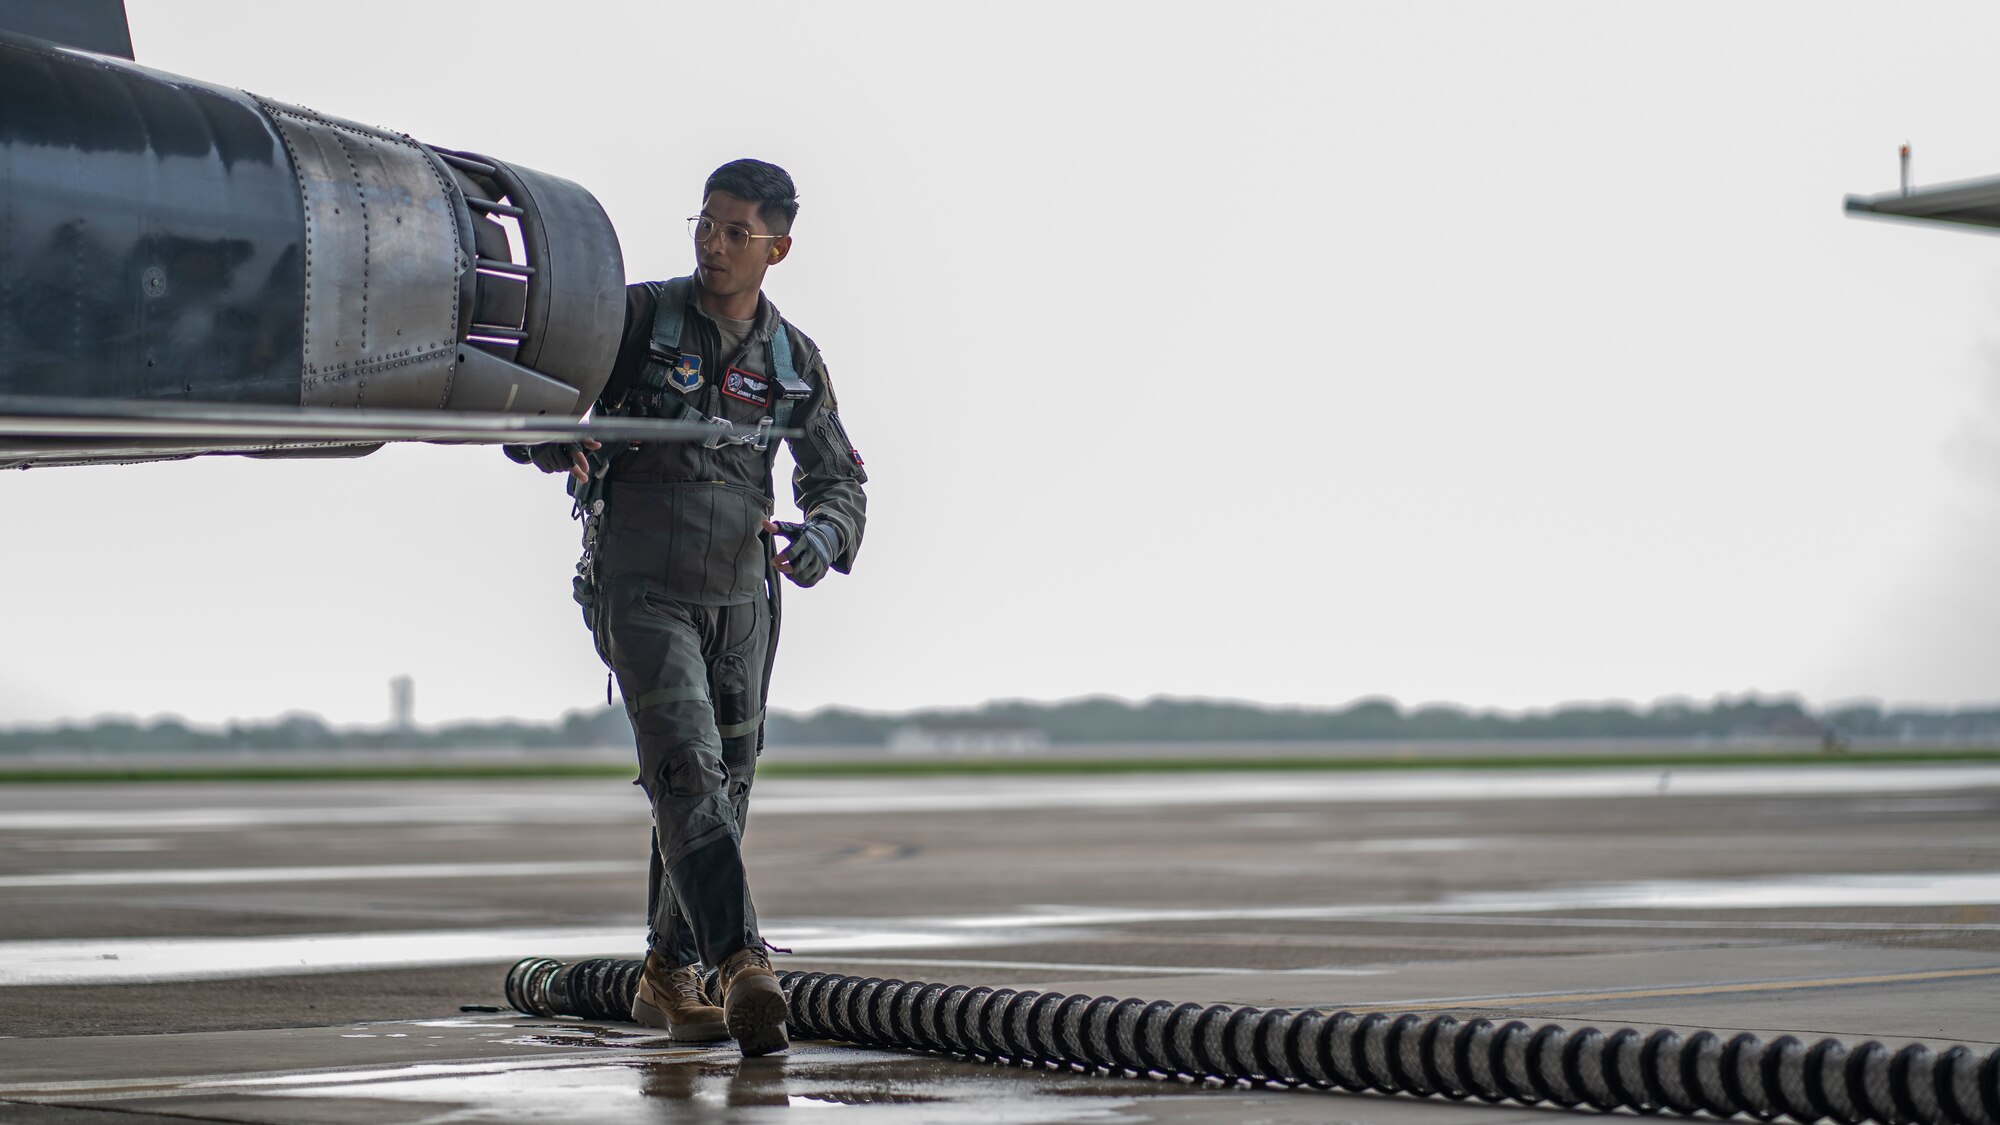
{"x": 38, "y": 430}
{"x": 1973, "y": 203}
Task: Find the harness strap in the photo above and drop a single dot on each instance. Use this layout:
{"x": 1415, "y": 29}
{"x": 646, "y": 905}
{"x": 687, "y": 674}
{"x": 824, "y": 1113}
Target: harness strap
{"x": 738, "y": 730}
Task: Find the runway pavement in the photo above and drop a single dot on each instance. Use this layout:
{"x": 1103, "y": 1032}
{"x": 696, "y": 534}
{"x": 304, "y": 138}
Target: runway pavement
{"x": 286, "y": 951}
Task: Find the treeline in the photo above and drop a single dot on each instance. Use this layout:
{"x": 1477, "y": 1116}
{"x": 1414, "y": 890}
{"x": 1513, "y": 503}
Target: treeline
{"x": 1082, "y": 721}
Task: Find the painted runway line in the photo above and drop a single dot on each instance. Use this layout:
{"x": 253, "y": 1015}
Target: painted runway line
{"x": 219, "y": 876}
{"x": 1722, "y": 989}
{"x": 581, "y": 803}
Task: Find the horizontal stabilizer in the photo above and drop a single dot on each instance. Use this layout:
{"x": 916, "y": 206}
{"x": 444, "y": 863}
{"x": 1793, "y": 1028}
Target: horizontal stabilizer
{"x": 1966, "y": 203}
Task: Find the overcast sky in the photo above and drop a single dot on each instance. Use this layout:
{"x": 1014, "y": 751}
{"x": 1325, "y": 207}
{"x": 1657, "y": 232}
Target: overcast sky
{"x": 1501, "y": 354}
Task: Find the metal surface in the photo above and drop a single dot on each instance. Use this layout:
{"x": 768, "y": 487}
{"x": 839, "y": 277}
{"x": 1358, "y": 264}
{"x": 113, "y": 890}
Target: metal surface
{"x": 55, "y": 431}
{"x": 575, "y": 301}
{"x": 151, "y": 245}
{"x": 88, "y": 25}
{"x": 1974, "y": 203}
{"x": 382, "y": 265}
{"x": 162, "y": 239}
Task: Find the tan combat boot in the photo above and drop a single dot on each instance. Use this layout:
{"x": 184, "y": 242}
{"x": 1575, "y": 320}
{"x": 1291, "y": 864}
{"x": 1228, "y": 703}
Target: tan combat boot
{"x": 672, "y": 999}
{"x": 754, "y": 1001}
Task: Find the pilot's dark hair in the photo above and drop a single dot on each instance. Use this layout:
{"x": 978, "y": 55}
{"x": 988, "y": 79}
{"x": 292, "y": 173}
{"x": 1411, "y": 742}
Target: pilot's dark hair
{"x": 766, "y": 185}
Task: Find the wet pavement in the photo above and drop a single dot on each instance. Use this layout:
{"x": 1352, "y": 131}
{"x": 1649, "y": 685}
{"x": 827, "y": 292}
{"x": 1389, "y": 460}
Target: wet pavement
{"x": 298, "y": 952}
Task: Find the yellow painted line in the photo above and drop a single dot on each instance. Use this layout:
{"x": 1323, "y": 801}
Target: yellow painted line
{"x": 1692, "y": 990}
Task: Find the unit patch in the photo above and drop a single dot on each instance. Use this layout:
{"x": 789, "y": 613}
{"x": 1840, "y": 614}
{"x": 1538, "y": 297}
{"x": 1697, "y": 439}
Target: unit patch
{"x": 740, "y": 384}
{"x": 686, "y": 375}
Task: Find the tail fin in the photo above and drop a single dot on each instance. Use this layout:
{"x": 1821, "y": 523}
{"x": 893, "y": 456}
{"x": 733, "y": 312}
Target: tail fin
{"x": 90, "y": 25}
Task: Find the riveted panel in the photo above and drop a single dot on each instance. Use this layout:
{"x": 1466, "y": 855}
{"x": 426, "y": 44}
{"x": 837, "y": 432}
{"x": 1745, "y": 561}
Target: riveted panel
{"x": 383, "y": 263}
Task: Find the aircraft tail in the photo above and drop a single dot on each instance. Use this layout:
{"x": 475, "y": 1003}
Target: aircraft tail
{"x": 90, "y": 25}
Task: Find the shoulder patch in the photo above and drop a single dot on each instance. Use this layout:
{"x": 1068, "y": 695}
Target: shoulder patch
{"x": 686, "y": 375}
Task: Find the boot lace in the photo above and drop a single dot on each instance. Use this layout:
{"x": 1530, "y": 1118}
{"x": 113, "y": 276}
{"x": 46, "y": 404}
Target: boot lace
{"x": 684, "y": 984}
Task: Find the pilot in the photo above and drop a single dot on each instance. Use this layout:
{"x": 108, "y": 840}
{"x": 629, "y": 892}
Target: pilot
{"x": 680, "y": 580}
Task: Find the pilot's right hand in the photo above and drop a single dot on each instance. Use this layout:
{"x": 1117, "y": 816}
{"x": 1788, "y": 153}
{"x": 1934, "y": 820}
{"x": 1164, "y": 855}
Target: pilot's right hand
{"x": 555, "y": 456}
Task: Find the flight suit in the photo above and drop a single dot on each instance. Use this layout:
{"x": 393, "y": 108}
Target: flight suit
{"x": 687, "y": 600}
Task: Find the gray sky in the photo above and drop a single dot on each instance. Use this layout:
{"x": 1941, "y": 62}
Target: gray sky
{"x": 1505, "y": 354}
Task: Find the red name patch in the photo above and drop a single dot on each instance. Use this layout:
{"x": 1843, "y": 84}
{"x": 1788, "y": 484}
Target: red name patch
{"x": 740, "y": 384}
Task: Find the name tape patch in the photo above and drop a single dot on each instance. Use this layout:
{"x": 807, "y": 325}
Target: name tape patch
{"x": 740, "y": 384}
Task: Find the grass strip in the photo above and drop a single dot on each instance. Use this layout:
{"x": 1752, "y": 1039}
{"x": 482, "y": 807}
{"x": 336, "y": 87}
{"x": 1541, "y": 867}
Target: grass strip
{"x": 416, "y": 771}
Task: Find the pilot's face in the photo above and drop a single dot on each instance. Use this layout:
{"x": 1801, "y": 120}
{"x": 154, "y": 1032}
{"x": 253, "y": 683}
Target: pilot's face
{"x": 733, "y": 260}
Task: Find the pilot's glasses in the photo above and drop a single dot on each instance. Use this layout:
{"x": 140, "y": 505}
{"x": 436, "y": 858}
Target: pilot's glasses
{"x": 733, "y": 237}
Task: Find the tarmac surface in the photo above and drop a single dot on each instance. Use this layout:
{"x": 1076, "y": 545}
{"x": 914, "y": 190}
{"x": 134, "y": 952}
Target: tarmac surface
{"x": 299, "y": 952}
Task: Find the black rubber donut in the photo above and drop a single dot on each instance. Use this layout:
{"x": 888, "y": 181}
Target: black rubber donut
{"x": 1475, "y": 1061}
{"x": 860, "y": 1008}
{"x": 1913, "y": 1082}
{"x": 1179, "y": 1036}
{"x": 947, "y": 1023}
{"x": 1069, "y": 1031}
{"x": 1510, "y": 1062}
{"x": 1268, "y": 1047}
{"x": 1042, "y": 1044}
{"x": 1152, "y": 1036}
{"x": 1827, "y": 1064}
{"x": 929, "y": 1001}
{"x": 996, "y": 1028}
{"x": 1868, "y": 1082}
{"x": 1744, "y": 1069}
{"x": 1958, "y": 1087}
{"x": 1371, "y": 1053}
{"x": 1096, "y": 1035}
{"x": 1438, "y": 1050}
{"x": 1586, "y": 1063}
{"x": 1239, "y": 1045}
{"x": 835, "y": 1009}
{"x": 1123, "y": 1038}
{"x": 1401, "y": 1041}
{"x": 1211, "y": 1055}
{"x": 1665, "y": 1081}
{"x": 972, "y": 1022}
{"x": 1301, "y": 1046}
{"x": 1701, "y": 1073}
{"x": 1544, "y": 1064}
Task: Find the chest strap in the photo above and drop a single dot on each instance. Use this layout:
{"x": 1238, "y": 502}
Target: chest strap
{"x": 665, "y": 351}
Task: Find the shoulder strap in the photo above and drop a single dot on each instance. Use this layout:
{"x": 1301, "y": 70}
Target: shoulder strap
{"x": 664, "y": 348}
{"x": 669, "y": 313}
{"x": 792, "y": 390}
{"x": 782, "y": 374}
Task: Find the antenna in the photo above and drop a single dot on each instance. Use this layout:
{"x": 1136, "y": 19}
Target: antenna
{"x": 1904, "y": 155}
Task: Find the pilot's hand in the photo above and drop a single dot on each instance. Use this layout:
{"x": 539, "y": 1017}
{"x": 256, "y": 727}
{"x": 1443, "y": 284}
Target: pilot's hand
{"x": 814, "y": 544}
{"x": 579, "y": 465}
{"x": 556, "y": 456}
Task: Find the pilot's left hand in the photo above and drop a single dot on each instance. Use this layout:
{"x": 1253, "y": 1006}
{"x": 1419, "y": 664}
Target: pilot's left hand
{"x": 814, "y": 544}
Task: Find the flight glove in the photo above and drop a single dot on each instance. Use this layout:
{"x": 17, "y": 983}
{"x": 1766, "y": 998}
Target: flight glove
{"x": 549, "y": 456}
{"x": 815, "y": 543}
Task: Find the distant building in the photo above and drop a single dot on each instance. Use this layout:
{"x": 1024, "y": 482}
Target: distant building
{"x": 402, "y": 703}
{"x": 967, "y": 736}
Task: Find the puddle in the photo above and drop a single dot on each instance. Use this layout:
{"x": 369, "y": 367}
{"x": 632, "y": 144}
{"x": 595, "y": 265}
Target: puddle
{"x": 158, "y": 959}
{"x": 694, "y": 1084}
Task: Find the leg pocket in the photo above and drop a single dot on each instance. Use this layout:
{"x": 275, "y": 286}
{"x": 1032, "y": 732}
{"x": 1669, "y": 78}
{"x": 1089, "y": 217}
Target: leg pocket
{"x": 692, "y": 772}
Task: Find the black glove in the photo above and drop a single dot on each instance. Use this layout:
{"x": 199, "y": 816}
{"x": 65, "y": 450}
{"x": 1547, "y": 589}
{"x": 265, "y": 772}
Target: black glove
{"x": 549, "y": 456}
{"x": 814, "y": 545}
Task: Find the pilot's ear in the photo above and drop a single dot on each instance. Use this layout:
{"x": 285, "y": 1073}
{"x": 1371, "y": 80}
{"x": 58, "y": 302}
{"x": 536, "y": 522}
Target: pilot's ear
{"x": 780, "y": 246}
